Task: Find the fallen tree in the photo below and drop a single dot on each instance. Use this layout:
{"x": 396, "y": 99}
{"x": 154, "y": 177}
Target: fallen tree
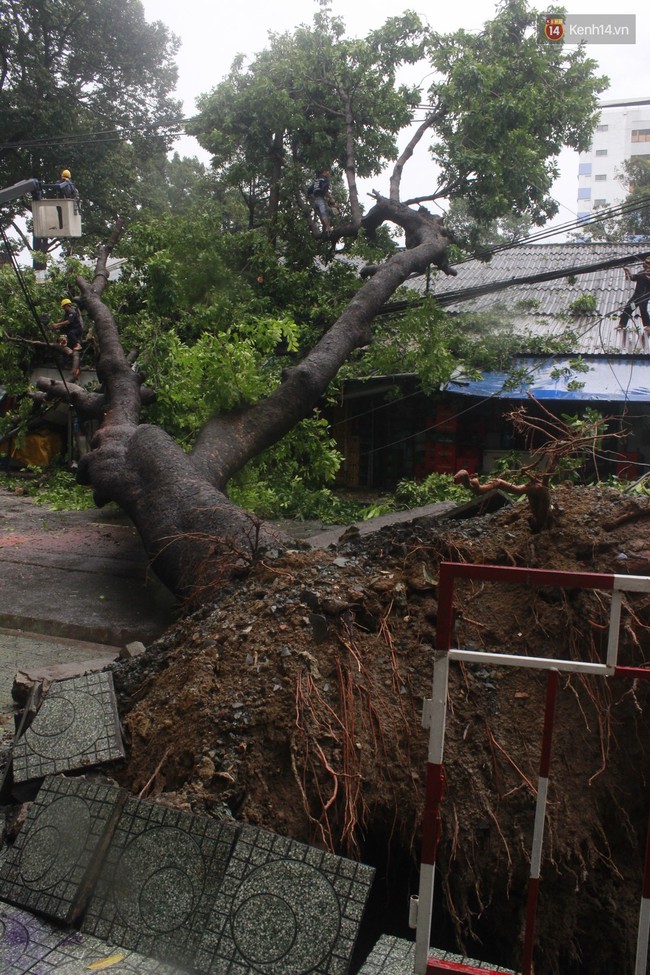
{"x": 193, "y": 534}
{"x": 496, "y": 154}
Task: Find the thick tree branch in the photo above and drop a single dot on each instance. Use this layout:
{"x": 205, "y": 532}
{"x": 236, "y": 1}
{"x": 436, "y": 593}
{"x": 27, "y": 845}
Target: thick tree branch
{"x": 104, "y": 252}
{"x": 92, "y": 405}
{"x": 396, "y": 176}
{"x": 440, "y": 193}
{"x": 350, "y": 161}
{"x": 226, "y": 443}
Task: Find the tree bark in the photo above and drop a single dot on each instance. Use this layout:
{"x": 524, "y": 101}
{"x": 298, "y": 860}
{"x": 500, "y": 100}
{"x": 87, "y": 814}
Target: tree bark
{"x": 195, "y": 537}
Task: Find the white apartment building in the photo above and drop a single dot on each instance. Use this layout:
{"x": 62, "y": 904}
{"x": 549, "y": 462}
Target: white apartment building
{"x": 623, "y": 131}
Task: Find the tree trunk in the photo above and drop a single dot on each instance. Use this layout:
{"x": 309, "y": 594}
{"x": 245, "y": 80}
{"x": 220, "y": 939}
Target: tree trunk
{"x": 195, "y": 537}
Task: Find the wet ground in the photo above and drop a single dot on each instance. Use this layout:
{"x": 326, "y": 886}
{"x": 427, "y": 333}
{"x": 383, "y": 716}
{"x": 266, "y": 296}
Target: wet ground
{"x": 74, "y": 586}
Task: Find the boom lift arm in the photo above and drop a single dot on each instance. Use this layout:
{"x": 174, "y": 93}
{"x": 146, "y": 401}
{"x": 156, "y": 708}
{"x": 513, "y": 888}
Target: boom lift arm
{"x": 52, "y": 218}
{"x": 25, "y": 186}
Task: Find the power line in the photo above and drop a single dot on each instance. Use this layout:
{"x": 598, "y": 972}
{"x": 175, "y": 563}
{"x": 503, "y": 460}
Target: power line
{"x": 101, "y": 136}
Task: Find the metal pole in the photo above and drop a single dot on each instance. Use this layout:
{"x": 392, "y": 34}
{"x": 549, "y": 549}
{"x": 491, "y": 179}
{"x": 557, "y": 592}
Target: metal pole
{"x": 432, "y": 823}
{"x": 614, "y": 630}
{"x": 640, "y": 967}
{"x": 540, "y": 814}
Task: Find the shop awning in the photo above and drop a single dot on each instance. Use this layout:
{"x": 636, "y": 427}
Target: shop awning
{"x": 609, "y": 378}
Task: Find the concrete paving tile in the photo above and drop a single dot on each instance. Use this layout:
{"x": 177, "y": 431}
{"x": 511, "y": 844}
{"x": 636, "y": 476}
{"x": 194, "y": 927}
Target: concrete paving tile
{"x": 396, "y": 956}
{"x": 32, "y": 946}
{"x": 46, "y": 867}
{"x": 80, "y": 954}
{"x": 390, "y": 956}
{"x": 158, "y": 885}
{"x": 77, "y": 726}
{"x": 24, "y": 940}
{"x": 284, "y": 909}
{"x": 37, "y": 654}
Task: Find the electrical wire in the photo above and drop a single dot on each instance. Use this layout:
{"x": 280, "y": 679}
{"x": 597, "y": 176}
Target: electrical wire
{"x": 493, "y": 396}
{"x": 113, "y": 135}
{"x": 28, "y": 300}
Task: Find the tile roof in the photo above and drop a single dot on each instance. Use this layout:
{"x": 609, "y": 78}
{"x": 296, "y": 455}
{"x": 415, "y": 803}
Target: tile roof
{"x": 541, "y": 308}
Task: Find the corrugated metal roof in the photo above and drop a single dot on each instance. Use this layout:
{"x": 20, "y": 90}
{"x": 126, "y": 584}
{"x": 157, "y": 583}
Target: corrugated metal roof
{"x": 542, "y": 308}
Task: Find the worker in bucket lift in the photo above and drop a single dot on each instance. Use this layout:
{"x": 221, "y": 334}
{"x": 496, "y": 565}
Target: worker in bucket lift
{"x": 64, "y": 186}
{"x": 639, "y": 299}
{"x": 72, "y": 329}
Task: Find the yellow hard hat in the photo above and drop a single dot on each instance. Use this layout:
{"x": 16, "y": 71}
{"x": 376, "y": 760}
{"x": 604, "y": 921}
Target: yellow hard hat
{"x": 65, "y": 301}
{"x": 65, "y": 174}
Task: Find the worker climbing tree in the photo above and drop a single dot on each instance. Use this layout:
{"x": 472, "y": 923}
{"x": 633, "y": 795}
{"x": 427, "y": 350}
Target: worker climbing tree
{"x": 72, "y": 330}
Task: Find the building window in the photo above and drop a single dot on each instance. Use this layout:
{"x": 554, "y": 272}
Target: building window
{"x": 602, "y": 128}
{"x": 584, "y": 193}
{"x": 600, "y": 203}
{"x": 582, "y": 216}
{"x": 600, "y": 177}
{"x": 640, "y": 135}
{"x": 601, "y": 152}
{"x": 584, "y": 169}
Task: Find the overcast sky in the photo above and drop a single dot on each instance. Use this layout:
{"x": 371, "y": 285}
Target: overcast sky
{"x": 213, "y": 33}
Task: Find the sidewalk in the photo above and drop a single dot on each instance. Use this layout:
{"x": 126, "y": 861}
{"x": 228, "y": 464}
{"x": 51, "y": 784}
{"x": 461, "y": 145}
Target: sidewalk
{"x": 74, "y": 586}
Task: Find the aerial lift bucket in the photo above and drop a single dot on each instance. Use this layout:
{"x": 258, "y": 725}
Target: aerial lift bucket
{"x": 56, "y": 218}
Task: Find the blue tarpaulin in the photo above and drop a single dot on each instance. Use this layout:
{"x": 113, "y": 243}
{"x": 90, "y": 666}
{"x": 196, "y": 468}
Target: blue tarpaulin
{"x": 609, "y": 378}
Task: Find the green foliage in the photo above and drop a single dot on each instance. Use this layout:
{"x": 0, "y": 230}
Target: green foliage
{"x": 53, "y": 487}
{"x": 507, "y": 466}
{"x": 292, "y": 499}
{"x": 88, "y": 87}
{"x": 17, "y": 359}
{"x": 433, "y": 344}
{"x": 481, "y": 237}
{"x": 434, "y": 487}
{"x": 62, "y": 493}
{"x": 194, "y": 271}
{"x": 502, "y": 108}
{"x": 584, "y": 304}
{"x": 214, "y": 374}
{"x": 640, "y": 487}
{"x": 567, "y": 372}
{"x": 517, "y": 377}
{"x": 505, "y": 106}
{"x": 290, "y": 479}
{"x": 273, "y": 122}
{"x": 14, "y": 424}
{"x": 417, "y": 341}
{"x": 221, "y": 290}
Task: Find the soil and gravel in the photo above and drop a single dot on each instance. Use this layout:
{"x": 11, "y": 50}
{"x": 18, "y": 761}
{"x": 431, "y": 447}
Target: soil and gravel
{"x": 293, "y": 700}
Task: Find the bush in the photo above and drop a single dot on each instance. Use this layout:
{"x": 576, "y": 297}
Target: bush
{"x": 435, "y": 487}
{"x": 56, "y": 488}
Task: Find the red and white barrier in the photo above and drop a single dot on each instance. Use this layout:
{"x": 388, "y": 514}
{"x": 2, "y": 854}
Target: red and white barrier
{"x": 435, "y": 719}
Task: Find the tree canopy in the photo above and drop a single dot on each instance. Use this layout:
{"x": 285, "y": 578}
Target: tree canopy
{"x": 501, "y": 106}
{"x": 87, "y": 86}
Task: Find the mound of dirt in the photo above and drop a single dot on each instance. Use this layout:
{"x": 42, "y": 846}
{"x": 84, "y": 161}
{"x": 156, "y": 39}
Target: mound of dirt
{"x": 294, "y": 702}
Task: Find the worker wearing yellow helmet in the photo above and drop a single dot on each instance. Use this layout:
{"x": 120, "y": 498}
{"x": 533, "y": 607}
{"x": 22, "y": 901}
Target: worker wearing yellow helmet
{"x": 65, "y": 186}
{"x": 72, "y": 330}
